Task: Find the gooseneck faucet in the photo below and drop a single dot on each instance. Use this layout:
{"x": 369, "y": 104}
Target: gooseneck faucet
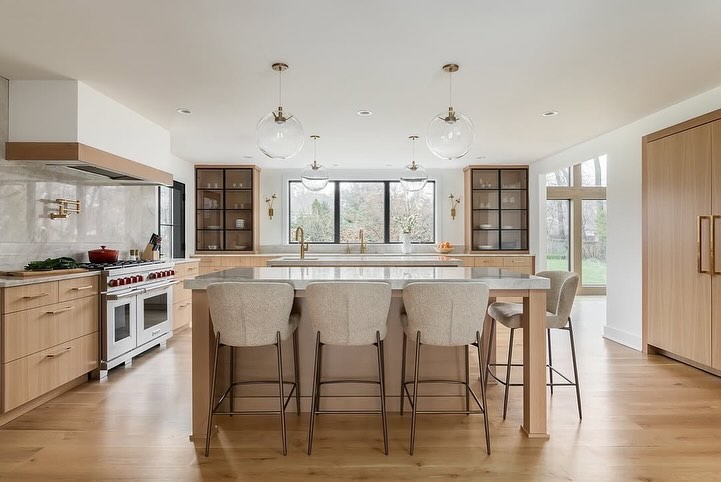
{"x": 303, "y": 246}
{"x": 363, "y": 246}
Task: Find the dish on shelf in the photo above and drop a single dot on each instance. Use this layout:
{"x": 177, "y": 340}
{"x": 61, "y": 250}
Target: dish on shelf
{"x": 485, "y": 226}
{"x": 212, "y": 247}
{"x": 485, "y": 246}
{"x": 508, "y": 227}
{"x": 240, "y": 247}
{"x": 213, "y": 226}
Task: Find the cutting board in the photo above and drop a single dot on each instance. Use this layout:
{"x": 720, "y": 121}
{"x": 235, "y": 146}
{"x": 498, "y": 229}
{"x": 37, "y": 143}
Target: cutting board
{"x": 54, "y": 272}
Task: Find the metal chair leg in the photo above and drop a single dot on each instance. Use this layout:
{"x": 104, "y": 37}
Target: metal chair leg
{"x": 296, "y": 368}
{"x": 508, "y": 374}
{"x": 415, "y": 393}
{"x": 281, "y": 395}
{"x": 232, "y": 378}
{"x": 311, "y": 424}
{"x": 211, "y": 402}
{"x": 468, "y": 379}
{"x": 575, "y": 368}
{"x": 320, "y": 372}
{"x": 403, "y": 371}
{"x": 491, "y": 336}
{"x": 550, "y": 360}
{"x": 483, "y": 396}
{"x": 381, "y": 380}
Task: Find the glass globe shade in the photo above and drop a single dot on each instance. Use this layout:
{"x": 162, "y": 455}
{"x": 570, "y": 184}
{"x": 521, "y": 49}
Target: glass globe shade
{"x": 282, "y": 139}
{"x": 448, "y": 139}
{"x": 414, "y": 177}
{"x": 315, "y": 177}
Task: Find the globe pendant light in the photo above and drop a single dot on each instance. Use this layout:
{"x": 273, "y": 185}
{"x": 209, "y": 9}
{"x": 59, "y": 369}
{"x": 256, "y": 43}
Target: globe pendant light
{"x": 450, "y": 136}
{"x": 414, "y": 177}
{"x": 315, "y": 176}
{"x": 279, "y": 135}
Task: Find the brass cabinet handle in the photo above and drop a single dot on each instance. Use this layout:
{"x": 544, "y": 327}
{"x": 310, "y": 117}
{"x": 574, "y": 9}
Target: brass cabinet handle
{"x": 81, "y": 288}
{"x": 55, "y": 355}
{"x": 62, "y": 310}
{"x": 185, "y": 305}
{"x": 713, "y": 243}
{"x": 39, "y": 295}
{"x": 698, "y": 243}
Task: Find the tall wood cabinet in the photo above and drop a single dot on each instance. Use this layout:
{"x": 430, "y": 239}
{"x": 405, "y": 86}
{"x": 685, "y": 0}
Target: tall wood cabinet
{"x": 226, "y": 207}
{"x": 682, "y": 262}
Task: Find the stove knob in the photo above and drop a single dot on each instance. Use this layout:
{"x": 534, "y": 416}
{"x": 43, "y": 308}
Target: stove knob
{"x": 140, "y": 277}
{"x": 134, "y": 279}
{"x": 159, "y": 274}
{"x": 120, "y": 281}
{"x": 113, "y": 282}
{"x": 128, "y": 281}
{"x": 172, "y": 272}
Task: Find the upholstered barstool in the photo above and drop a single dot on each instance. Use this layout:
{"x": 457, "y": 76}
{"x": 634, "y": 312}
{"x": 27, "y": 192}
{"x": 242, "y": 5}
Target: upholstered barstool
{"x": 252, "y": 314}
{"x": 347, "y": 314}
{"x": 443, "y": 314}
{"x": 559, "y": 301}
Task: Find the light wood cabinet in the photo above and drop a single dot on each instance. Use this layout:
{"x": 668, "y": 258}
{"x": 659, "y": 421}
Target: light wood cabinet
{"x": 182, "y": 298}
{"x": 29, "y": 296}
{"x": 681, "y": 175}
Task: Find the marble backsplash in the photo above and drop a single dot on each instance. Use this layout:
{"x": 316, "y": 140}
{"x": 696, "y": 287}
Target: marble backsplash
{"x": 119, "y": 217}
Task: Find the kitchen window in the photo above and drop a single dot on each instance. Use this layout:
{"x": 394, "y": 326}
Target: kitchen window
{"x": 337, "y": 213}
{"x": 171, "y": 220}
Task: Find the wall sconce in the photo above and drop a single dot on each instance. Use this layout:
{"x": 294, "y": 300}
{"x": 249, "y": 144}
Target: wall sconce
{"x": 269, "y": 201}
{"x": 66, "y": 207}
{"x": 455, "y": 201}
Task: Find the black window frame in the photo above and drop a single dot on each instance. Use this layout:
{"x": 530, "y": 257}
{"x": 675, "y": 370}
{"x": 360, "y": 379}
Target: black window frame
{"x": 386, "y": 211}
{"x": 178, "y": 218}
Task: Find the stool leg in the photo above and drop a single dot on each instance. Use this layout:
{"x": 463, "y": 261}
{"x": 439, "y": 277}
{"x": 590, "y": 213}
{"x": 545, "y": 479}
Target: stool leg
{"x": 575, "y": 369}
{"x": 550, "y": 361}
{"x": 403, "y": 371}
{"x": 296, "y": 368}
{"x": 468, "y": 380}
{"x": 281, "y": 395}
{"x": 382, "y": 383}
{"x": 491, "y": 337}
{"x": 211, "y": 403}
{"x": 311, "y": 424}
{"x": 415, "y": 393}
{"x": 232, "y": 378}
{"x": 483, "y": 397}
{"x": 508, "y": 374}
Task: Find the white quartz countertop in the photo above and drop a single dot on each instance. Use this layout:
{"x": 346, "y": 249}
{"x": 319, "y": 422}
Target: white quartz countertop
{"x": 10, "y": 281}
{"x": 366, "y": 260}
{"x": 396, "y": 276}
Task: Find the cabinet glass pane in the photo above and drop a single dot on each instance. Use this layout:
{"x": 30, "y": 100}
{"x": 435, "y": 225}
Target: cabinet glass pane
{"x": 239, "y": 240}
{"x": 485, "y": 240}
{"x": 514, "y": 220}
{"x": 209, "y": 219}
{"x": 485, "y": 199}
{"x": 513, "y": 199}
{"x": 208, "y": 199}
{"x": 513, "y": 239}
{"x": 209, "y": 179}
{"x": 484, "y": 219}
{"x": 514, "y": 179}
{"x": 484, "y": 179}
{"x": 209, "y": 240}
{"x": 593, "y": 271}
{"x": 238, "y": 220}
{"x": 239, "y": 179}
{"x": 239, "y": 199}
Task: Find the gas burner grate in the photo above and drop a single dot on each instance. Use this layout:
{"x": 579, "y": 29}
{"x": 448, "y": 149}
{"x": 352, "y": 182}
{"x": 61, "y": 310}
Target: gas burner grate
{"x": 125, "y": 263}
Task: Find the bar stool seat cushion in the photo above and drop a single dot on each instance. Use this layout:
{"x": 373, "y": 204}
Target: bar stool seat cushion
{"x": 509, "y": 314}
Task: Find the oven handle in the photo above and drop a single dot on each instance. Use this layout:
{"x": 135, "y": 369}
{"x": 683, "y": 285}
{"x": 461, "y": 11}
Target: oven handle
{"x": 150, "y": 289}
{"x": 127, "y": 294}
{"x": 140, "y": 291}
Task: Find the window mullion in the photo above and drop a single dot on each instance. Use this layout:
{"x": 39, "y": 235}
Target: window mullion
{"x": 336, "y": 216}
{"x": 387, "y": 212}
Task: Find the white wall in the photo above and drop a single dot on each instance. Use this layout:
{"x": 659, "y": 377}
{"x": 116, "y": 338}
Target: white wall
{"x": 274, "y": 232}
{"x": 623, "y": 147}
{"x": 43, "y": 110}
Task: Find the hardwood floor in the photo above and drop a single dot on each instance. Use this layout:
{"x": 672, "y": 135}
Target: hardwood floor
{"x": 646, "y": 418}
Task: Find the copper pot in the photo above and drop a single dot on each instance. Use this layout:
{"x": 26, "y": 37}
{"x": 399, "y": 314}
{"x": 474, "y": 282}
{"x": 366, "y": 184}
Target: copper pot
{"x": 103, "y": 255}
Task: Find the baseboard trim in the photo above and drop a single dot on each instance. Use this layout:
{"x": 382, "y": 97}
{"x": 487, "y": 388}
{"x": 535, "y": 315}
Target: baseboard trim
{"x": 36, "y": 402}
{"x": 622, "y": 337}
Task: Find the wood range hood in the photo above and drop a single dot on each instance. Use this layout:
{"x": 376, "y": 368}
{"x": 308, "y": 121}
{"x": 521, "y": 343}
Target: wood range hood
{"x": 88, "y": 160}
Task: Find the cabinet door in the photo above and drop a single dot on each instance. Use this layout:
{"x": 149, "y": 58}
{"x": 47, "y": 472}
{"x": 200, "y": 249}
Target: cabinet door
{"x": 716, "y": 281}
{"x": 678, "y": 177}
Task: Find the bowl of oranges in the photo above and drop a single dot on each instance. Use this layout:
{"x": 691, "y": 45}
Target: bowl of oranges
{"x": 444, "y": 248}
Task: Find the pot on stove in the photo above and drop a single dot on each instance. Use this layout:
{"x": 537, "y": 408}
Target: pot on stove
{"x": 103, "y": 255}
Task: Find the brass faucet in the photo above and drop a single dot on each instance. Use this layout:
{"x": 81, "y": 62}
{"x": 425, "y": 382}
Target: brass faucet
{"x": 303, "y": 246}
{"x": 363, "y": 245}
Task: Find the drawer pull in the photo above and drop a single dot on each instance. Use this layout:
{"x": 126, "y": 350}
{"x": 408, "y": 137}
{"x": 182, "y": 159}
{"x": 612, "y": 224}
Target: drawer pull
{"x": 62, "y": 310}
{"x": 81, "y": 288}
{"x": 55, "y": 355}
{"x": 192, "y": 268}
{"x": 518, "y": 261}
{"x": 39, "y": 295}
{"x": 185, "y": 305}
{"x": 155, "y": 332}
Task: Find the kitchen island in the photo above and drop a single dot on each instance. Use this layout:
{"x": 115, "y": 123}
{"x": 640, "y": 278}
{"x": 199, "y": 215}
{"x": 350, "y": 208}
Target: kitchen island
{"x": 415, "y": 260}
{"x": 359, "y": 362}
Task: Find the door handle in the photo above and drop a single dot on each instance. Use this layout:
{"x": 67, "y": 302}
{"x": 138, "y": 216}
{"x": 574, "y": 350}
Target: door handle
{"x": 713, "y": 243}
{"x": 698, "y": 243}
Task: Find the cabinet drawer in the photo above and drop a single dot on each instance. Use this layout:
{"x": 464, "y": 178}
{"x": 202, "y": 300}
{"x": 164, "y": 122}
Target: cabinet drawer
{"x": 29, "y": 296}
{"x": 186, "y": 269}
{"x": 211, "y": 269}
{"x": 209, "y": 261}
{"x": 180, "y": 293}
{"x": 259, "y": 261}
{"x": 517, "y": 261}
{"x": 489, "y": 261}
{"x": 235, "y": 261}
{"x": 71, "y": 289}
{"x": 182, "y": 314}
{"x": 31, "y": 376}
{"x": 30, "y": 331}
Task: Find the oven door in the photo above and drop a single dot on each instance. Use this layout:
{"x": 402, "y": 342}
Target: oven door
{"x": 120, "y": 325}
{"x": 155, "y": 312}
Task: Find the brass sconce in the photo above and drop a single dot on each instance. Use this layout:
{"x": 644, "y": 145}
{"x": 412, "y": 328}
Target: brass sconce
{"x": 455, "y": 201}
{"x": 65, "y": 208}
{"x": 269, "y": 201}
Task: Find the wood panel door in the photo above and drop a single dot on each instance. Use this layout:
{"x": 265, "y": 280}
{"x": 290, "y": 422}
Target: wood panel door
{"x": 716, "y": 280}
{"x": 678, "y": 190}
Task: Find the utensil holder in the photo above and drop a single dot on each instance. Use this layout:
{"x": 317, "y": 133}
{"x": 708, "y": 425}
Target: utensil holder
{"x": 149, "y": 254}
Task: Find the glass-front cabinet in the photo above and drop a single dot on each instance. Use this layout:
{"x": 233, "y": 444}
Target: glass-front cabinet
{"x": 226, "y": 207}
{"x": 497, "y": 209}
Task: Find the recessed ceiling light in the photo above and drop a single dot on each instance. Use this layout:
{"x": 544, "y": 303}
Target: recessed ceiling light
{"x": 481, "y": 157}
{"x": 183, "y": 110}
{"x": 364, "y": 113}
{"x": 389, "y": 165}
{"x": 334, "y": 165}
{"x": 550, "y": 113}
{"x": 247, "y": 157}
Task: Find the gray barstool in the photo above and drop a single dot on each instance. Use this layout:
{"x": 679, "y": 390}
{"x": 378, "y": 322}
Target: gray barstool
{"x": 559, "y": 301}
{"x": 252, "y": 314}
{"x": 347, "y": 314}
{"x": 444, "y": 314}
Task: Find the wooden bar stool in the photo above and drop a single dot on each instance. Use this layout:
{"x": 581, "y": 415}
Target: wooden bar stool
{"x": 252, "y": 314}
{"x": 444, "y": 314}
{"x": 347, "y": 314}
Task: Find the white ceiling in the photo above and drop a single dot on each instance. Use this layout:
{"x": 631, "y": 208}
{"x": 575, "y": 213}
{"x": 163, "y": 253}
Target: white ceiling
{"x": 601, "y": 64}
